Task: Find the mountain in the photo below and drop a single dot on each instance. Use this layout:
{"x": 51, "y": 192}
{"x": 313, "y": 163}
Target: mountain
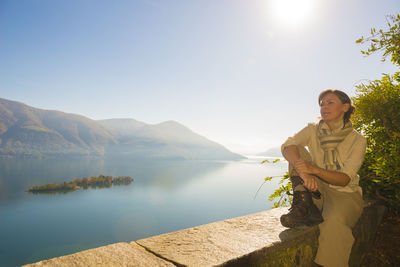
{"x": 167, "y": 139}
{"x": 29, "y": 131}
{"x": 25, "y": 130}
{"x": 272, "y": 152}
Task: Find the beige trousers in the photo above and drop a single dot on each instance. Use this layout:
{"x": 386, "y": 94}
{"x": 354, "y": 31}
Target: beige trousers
{"x": 340, "y": 211}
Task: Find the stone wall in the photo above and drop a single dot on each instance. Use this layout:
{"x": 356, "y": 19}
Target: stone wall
{"x": 252, "y": 240}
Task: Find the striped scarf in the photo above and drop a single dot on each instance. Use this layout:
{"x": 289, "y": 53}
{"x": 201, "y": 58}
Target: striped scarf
{"x": 329, "y": 141}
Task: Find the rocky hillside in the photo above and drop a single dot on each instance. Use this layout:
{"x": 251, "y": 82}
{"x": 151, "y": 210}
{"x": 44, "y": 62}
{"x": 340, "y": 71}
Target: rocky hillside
{"x": 29, "y": 131}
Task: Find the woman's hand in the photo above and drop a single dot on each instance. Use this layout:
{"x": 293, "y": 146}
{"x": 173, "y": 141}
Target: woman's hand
{"x": 303, "y": 166}
{"x": 309, "y": 182}
{"x": 305, "y": 170}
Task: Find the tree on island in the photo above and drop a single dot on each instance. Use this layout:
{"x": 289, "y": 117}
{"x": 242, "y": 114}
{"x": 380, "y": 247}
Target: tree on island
{"x": 78, "y": 183}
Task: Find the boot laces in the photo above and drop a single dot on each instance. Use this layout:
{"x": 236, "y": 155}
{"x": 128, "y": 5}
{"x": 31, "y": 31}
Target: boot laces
{"x": 297, "y": 202}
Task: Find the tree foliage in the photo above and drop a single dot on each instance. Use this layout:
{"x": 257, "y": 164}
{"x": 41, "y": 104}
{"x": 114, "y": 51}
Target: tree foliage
{"x": 94, "y": 182}
{"x": 377, "y": 117}
{"x": 282, "y": 192}
{"x": 387, "y": 41}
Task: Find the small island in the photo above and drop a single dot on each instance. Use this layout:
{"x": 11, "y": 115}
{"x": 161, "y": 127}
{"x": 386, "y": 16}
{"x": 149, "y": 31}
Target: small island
{"x": 93, "y": 182}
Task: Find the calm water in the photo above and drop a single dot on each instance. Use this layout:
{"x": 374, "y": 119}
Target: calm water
{"x": 165, "y": 196}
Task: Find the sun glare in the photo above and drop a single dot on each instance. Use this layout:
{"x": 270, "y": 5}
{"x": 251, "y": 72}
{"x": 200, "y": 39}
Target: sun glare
{"x": 292, "y": 13}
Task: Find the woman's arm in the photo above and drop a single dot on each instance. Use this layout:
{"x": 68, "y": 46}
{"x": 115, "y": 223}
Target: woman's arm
{"x": 350, "y": 166}
{"x": 331, "y": 177}
{"x": 291, "y": 154}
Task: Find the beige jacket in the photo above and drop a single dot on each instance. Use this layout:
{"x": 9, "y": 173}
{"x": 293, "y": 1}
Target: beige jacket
{"x": 351, "y": 152}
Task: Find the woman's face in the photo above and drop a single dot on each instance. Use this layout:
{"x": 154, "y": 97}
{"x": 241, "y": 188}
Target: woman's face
{"x": 332, "y": 109}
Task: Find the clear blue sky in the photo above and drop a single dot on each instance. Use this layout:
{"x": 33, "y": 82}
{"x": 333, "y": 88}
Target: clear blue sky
{"x": 244, "y": 73}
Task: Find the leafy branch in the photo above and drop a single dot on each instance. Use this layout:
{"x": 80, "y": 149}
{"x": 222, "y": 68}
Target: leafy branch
{"x": 388, "y": 40}
{"x": 281, "y": 192}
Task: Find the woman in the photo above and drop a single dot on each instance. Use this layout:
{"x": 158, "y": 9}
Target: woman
{"x": 329, "y": 168}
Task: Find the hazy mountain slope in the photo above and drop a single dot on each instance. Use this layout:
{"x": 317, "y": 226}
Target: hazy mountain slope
{"x": 122, "y": 127}
{"x": 272, "y": 152}
{"x": 169, "y": 131}
{"x": 26, "y": 130}
{"x": 174, "y": 132}
{"x": 166, "y": 139}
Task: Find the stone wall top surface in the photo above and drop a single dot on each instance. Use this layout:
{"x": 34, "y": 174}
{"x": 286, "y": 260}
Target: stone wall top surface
{"x": 119, "y": 254}
{"x": 216, "y": 243}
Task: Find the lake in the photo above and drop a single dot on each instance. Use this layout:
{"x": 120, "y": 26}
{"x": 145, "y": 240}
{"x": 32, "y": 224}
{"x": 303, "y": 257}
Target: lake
{"x": 166, "y": 196}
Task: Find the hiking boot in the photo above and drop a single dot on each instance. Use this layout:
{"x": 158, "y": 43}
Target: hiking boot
{"x": 303, "y": 211}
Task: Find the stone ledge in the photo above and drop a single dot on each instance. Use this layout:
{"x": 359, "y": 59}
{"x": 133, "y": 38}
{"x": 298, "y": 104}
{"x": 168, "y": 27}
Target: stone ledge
{"x": 217, "y": 243}
{"x": 253, "y": 240}
{"x": 119, "y": 254}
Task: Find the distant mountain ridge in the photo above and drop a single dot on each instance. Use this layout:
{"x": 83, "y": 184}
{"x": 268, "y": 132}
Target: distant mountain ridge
{"x": 272, "y": 152}
{"x": 29, "y": 131}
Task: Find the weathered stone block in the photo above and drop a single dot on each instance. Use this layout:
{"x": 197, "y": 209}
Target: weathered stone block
{"x": 119, "y": 254}
{"x": 220, "y": 242}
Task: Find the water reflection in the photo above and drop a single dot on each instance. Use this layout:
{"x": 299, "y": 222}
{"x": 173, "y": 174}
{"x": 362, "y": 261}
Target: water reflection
{"x": 166, "y": 195}
{"x": 16, "y": 175}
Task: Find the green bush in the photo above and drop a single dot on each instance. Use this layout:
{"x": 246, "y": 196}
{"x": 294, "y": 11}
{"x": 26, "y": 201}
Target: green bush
{"x": 377, "y": 117}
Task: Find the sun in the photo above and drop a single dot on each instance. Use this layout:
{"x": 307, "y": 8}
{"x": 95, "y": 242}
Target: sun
{"x": 291, "y": 13}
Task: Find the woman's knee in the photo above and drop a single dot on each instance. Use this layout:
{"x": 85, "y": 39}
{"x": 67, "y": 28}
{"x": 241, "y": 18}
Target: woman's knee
{"x": 346, "y": 213}
{"x": 339, "y": 219}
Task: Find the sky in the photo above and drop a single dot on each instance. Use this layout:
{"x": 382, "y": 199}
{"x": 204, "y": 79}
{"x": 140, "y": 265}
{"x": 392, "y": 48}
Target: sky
{"x": 243, "y": 73}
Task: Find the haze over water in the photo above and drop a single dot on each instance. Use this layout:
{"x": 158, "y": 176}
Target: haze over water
{"x": 166, "y": 195}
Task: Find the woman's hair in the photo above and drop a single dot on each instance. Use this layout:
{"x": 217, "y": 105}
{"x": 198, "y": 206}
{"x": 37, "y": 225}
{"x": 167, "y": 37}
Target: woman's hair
{"x": 344, "y": 98}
